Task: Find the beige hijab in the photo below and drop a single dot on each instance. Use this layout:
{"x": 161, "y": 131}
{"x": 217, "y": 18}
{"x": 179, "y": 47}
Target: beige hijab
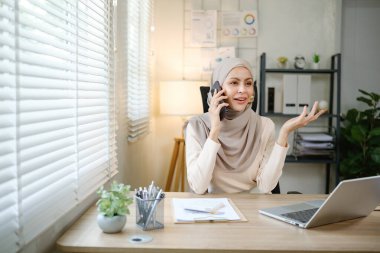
{"x": 240, "y": 131}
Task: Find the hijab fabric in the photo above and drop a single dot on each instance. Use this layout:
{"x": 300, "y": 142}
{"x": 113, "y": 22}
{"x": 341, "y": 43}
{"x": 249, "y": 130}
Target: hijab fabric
{"x": 240, "y": 131}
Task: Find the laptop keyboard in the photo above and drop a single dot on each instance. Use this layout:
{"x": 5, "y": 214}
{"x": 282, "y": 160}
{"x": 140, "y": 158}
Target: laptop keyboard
{"x": 303, "y": 216}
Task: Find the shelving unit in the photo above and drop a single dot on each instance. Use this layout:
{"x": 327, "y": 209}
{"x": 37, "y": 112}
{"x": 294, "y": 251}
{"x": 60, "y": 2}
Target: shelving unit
{"x": 333, "y": 116}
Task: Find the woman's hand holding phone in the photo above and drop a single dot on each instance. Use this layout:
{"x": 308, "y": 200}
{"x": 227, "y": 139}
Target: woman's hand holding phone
{"x": 217, "y": 104}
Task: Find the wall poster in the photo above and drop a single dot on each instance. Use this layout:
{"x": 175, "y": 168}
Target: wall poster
{"x": 239, "y": 23}
{"x": 203, "y": 28}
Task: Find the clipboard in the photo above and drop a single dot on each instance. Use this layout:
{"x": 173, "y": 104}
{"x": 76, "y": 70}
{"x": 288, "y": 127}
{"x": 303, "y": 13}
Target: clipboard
{"x": 211, "y": 218}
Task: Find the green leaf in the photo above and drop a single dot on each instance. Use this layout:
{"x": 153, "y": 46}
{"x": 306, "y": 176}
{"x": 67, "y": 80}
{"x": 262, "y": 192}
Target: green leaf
{"x": 352, "y": 115}
{"x": 359, "y": 133}
{"x": 375, "y": 96}
{"x": 375, "y": 155}
{"x": 364, "y": 92}
{"x": 374, "y": 132}
{"x": 115, "y": 201}
{"x": 369, "y": 102}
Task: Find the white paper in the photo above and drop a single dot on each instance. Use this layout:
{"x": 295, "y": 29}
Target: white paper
{"x": 316, "y": 145}
{"x": 182, "y": 215}
{"x": 211, "y": 57}
{"x": 239, "y": 24}
{"x": 203, "y": 28}
{"x": 315, "y": 137}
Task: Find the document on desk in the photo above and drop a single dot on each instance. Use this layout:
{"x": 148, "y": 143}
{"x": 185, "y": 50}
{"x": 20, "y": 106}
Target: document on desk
{"x": 189, "y": 210}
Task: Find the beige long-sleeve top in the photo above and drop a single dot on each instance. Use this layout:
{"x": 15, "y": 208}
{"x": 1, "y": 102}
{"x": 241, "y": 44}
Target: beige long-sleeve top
{"x": 264, "y": 172}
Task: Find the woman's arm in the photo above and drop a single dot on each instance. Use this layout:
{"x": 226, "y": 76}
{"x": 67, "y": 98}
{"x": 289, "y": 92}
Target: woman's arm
{"x": 294, "y": 123}
{"x": 272, "y": 163}
{"x": 270, "y": 167}
{"x": 200, "y": 161}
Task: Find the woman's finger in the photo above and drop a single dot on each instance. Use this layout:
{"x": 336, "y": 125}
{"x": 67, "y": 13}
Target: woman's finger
{"x": 313, "y": 109}
{"x": 303, "y": 114}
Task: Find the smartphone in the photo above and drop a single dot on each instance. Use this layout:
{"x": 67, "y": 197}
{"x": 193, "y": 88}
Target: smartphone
{"x": 214, "y": 89}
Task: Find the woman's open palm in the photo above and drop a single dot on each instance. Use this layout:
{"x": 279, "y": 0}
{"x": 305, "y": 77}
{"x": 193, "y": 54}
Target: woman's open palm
{"x": 303, "y": 119}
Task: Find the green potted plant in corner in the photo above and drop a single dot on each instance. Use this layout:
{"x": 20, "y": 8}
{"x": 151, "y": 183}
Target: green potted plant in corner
{"x": 316, "y": 58}
{"x": 113, "y": 206}
{"x": 360, "y": 139}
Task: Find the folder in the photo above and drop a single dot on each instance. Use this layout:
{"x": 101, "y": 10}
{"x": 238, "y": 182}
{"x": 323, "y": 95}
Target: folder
{"x": 290, "y": 90}
{"x": 296, "y": 94}
{"x": 303, "y": 92}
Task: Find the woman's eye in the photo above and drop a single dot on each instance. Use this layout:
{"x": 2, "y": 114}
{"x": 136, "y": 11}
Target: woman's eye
{"x": 248, "y": 84}
{"x": 234, "y": 83}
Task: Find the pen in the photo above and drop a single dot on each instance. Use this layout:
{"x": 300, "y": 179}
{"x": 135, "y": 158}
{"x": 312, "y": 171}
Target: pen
{"x": 152, "y": 208}
{"x": 213, "y": 210}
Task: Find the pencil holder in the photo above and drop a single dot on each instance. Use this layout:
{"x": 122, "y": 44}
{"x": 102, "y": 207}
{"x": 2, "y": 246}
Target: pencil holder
{"x": 150, "y": 213}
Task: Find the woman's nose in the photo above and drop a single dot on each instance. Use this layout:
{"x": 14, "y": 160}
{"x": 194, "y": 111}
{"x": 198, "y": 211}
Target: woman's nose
{"x": 241, "y": 88}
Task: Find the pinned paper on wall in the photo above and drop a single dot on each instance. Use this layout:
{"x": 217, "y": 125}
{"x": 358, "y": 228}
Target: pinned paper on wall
{"x": 203, "y": 28}
{"x": 240, "y": 24}
{"x": 211, "y": 57}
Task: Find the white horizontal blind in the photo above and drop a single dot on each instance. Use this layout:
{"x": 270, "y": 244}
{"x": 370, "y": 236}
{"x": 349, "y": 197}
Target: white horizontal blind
{"x": 46, "y": 112}
{"x": 9, "y": 224}
{"x": 138, "y": 83}
{"x": 56, "y": 110}
{"x": 96, "y": 121}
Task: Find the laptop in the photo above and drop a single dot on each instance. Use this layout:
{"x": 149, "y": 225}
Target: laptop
{"x": 351, "y": 199}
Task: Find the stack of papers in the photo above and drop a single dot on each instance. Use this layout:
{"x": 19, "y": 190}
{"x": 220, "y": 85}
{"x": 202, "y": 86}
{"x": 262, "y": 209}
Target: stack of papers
{"x": 315, "y": 137}
{"x": 314, "y": 144}
{"x": 200, "y": 210}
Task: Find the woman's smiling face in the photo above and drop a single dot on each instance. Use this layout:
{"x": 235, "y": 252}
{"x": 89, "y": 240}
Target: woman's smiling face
{"x": 238, "y": 86}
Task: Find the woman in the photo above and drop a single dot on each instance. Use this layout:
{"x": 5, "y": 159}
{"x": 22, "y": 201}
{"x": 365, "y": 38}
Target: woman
{"x": 239, "y": 152}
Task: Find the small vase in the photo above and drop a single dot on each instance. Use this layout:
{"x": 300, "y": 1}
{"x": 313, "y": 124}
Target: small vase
{"x": 111, "y": 225}
{"x": 315, "y": 65}
{"x": 283, "y": 65}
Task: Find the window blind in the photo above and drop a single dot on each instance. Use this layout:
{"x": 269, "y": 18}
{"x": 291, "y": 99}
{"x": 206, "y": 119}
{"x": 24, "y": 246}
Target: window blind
{"x": 57, "y": 120}
{"x": 9, "y": 221}
{"x": 137, "y": 64}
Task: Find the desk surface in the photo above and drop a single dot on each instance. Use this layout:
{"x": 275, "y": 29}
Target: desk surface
{"x": 259, "y": 234}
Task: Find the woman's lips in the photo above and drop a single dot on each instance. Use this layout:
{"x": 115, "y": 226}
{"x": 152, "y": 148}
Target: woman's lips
{"x": 240, "y": 100}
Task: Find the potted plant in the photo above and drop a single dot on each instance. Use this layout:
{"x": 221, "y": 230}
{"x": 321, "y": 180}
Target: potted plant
{"x": 282, "y": 62}
{"x": 113, "y": 206}
{"x": 360, "y": 139}
{"x": 316, "y": 58}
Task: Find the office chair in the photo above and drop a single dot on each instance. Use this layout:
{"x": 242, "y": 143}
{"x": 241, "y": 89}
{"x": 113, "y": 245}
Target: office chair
{"x": 204, "y": 91}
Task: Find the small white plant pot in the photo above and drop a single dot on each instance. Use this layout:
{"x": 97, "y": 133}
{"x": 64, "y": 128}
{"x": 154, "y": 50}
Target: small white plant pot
{"x": 282, "y": 65}
{"x": 111, "y": 225}
{"x": 315, "y": 65}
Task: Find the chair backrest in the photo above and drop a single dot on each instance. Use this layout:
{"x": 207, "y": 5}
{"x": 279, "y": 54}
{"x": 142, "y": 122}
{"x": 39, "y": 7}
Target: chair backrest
{"x": 205, "y": 89}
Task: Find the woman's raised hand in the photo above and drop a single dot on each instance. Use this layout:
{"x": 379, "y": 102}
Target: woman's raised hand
{"x": 216, "y": 105}
{"x": 300, "y": 121}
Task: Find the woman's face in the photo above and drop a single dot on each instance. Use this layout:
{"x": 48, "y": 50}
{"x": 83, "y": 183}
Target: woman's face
{"x": 238, "y": 86}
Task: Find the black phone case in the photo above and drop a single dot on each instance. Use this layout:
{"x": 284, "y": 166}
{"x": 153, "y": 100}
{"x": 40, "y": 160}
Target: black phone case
{"x": 216, "y": 87}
